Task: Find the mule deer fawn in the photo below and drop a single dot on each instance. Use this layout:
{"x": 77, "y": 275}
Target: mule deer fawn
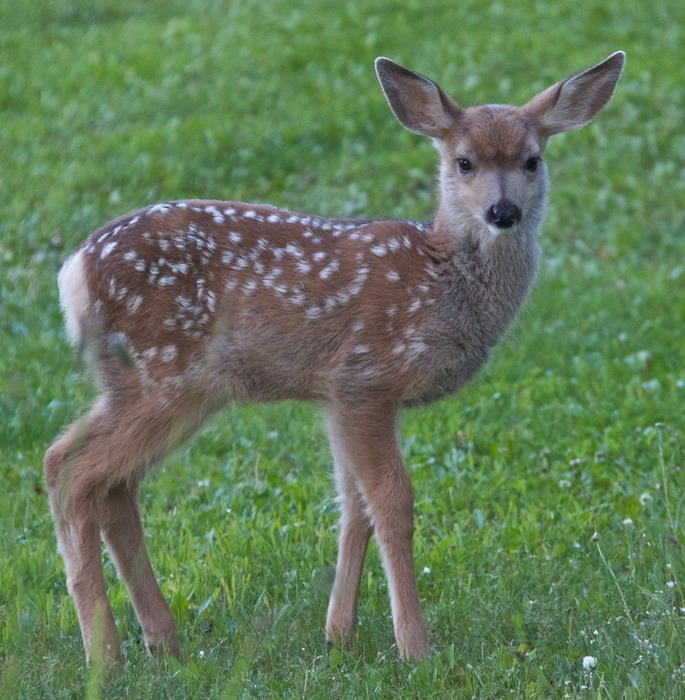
{"x": 184, "y": 306}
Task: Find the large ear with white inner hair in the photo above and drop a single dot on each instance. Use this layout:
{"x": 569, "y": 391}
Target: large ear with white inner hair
{"x": 575, "y": 101}
{"x": 418, "y": 103}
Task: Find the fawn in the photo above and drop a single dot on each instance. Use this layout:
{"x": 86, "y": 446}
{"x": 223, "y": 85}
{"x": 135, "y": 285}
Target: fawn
{"x": 184, "y": 306}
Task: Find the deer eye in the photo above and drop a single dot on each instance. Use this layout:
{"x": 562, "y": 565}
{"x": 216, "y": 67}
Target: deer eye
{"x": 465, "y": 165}
{"x": 532, "y": 164}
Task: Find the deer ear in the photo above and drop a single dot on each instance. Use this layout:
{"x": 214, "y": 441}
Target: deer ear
{"x": 418, "y": 103}
{"x": 575, "y": 101}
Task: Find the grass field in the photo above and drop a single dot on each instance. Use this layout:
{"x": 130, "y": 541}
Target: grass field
{"x": 549, "y": 494}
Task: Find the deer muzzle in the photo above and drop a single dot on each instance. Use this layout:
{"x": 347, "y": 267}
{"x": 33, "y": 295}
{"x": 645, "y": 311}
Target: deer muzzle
{"x": 503, "y": 214}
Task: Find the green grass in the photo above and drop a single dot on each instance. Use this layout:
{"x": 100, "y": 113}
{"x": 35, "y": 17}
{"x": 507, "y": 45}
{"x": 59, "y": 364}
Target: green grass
{"x": 575, "y": 427}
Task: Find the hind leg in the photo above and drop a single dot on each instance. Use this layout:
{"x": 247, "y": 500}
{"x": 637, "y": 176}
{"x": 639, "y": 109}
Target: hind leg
{"x": 74, "y": 504}
{"x": 91, "y": 472}
{"x": 122, "y": 532}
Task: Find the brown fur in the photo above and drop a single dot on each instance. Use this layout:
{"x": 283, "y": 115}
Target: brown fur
{"x": 185, "y": 306}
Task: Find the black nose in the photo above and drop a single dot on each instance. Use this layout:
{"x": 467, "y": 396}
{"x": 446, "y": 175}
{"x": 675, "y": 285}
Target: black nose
{"x": 503, "y": 214}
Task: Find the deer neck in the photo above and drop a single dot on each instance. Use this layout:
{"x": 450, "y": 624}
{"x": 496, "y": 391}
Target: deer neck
{"x": 488, "y": 276}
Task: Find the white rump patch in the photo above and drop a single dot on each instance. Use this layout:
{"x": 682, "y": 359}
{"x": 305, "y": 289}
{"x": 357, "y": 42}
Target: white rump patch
{"x": 74, "y": 297}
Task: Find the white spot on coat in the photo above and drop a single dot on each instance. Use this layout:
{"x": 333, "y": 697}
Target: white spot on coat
{"x": 249, "y": 287}
{"x": 216, "y": 214}
{"x": 294, "y": 250}
{"x": 211, "y": 301}
{"x": 107, "y": 249}
{"x": 133, "y": 304}
{"x": 327, "y": 271}
{"x": 297, "y": 298}
{"x": 417, "y": 348}
{"x": 169, "y": 353}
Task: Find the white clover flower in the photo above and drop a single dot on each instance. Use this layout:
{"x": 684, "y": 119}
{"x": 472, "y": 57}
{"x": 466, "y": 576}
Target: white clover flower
{"x": 645, "y": 498}
{"x": 628, "y": 521}
{"x": 589, "y": 663}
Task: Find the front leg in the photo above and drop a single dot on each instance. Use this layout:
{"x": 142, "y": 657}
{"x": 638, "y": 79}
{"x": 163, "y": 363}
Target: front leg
{"x": 355, "y": 530}
{"x": 365, "y": 442}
